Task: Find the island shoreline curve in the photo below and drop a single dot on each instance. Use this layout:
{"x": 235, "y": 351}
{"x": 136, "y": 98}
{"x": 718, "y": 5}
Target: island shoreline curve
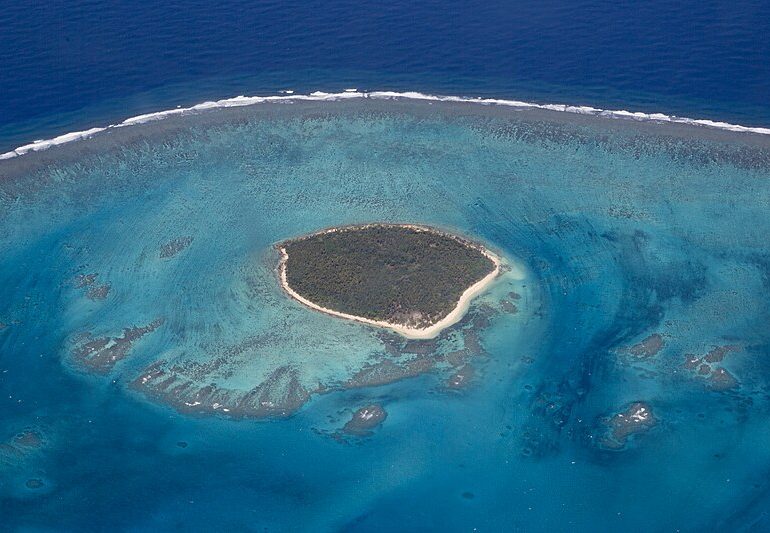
{"x": 429, "y": 332}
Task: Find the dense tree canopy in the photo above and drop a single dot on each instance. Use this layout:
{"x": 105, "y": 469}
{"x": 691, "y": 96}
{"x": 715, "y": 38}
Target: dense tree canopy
{"x": 399, "y": 274}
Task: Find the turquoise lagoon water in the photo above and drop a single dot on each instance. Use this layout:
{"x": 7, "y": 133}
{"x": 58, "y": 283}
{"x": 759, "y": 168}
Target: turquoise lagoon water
{"x": 643, "y": 247}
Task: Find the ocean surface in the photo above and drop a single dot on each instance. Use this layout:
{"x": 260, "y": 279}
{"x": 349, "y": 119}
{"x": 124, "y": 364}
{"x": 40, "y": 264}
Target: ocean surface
{"x": 69, "y": 65}
{"x": 154, "y": 376}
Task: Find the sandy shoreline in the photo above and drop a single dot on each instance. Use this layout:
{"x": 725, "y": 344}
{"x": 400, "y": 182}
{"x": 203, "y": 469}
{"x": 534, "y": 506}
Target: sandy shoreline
{"x": 411, "y": 333}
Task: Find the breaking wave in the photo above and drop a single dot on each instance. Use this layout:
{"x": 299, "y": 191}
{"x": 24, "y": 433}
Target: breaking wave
{"x": 288, "y": 97}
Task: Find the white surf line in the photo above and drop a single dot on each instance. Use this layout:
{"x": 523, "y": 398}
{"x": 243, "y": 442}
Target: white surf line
{"x": 289, "y": 97}
{"x": 411, "y": 333}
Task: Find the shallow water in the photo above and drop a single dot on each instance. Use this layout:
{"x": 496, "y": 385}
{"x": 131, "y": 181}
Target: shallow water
{"x": 624, "y": 231}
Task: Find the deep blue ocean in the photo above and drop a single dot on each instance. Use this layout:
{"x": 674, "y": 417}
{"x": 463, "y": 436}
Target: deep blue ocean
{"x": 154, "y": 376}
{"x": 66, "y": 65}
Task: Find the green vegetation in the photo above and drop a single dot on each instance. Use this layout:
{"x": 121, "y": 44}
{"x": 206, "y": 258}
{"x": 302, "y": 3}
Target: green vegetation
{"x": 398, "y": 274}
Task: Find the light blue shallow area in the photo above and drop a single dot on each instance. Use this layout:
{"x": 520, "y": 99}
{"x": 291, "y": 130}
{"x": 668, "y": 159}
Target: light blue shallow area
{"x": 623, "y": 232}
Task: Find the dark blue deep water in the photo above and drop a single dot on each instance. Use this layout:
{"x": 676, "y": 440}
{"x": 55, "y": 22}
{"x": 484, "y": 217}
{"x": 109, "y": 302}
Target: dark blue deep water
{"x": 65, "y": 65}
{"x": 155, "y": 377}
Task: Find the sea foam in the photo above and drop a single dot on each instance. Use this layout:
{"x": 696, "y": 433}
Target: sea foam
{"x": 289, "y": 97}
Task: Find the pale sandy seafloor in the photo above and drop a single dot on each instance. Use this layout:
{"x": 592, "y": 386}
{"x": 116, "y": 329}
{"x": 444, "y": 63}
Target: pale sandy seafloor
{"x": 153, "y": 374}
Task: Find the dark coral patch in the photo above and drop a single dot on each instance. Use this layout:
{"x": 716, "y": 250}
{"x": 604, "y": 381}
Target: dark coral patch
{"x": 509, "y": 307}
{"x": 102, "y": 354}
{"x": 21, "y": 446}
{"x": 174, "y": 247}
{"x": 280, "y": 395}
{"x": 462, "y": 377}
{"x": 34, "y": 484}
{"x": 721, "y": 380}
{"x": 191, "y": 387}
{"x": 365, "y": 419}
{"x": 618, "y": 428}
{"x": 648, "y": 347}
{"x": 87, "y": 282}
{"x": 84, "y": 280}
{"x": 709, "y": 369}
{"x": 99, "y": 292}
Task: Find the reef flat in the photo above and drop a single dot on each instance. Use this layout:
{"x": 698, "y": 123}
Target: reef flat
{"x": 619, "y": 359}
{"x": 412, "y": 279}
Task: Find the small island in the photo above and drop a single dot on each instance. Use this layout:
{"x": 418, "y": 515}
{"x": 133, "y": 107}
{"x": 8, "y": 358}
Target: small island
{"x": 415, "y": 280}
